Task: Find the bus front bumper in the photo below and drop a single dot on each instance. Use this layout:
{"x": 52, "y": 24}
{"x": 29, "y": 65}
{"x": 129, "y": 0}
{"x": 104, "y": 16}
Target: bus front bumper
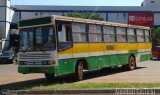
{"x": 27, "y": 70}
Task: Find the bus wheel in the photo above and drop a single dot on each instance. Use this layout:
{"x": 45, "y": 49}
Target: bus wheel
{"x": 132, "y": 63}
{"x": 49, "y": 77}
{"x": 79, "y": 71}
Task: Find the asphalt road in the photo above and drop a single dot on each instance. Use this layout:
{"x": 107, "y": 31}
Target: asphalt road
{"x": 147, "y": 72}
{"x": 9, "y": 74}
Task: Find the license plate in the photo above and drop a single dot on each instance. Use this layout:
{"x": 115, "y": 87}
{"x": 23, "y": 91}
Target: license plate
{"x": 38, "y": 63}
{"x": 35, "y": 63}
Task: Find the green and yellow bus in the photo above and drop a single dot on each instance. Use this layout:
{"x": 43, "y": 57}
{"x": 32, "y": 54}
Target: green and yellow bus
{"x": 58, "y": 45}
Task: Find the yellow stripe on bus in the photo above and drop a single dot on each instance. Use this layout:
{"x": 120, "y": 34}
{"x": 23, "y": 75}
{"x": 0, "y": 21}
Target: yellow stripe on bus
{"x": 103, "y": 47}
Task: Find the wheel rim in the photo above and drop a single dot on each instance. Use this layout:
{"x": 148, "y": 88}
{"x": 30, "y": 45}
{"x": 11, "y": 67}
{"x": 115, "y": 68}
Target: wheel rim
{"x": 132, "y": 63}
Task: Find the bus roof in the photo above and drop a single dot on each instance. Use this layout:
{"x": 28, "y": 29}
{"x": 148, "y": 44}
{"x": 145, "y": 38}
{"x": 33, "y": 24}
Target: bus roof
{"x": 49, "y": 20}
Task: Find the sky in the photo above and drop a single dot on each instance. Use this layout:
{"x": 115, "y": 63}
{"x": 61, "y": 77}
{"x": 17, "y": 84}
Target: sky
{"x": 79, "y": 2}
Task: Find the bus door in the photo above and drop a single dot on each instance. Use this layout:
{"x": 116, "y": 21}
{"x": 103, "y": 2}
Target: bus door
{"x": 65, "y": 45}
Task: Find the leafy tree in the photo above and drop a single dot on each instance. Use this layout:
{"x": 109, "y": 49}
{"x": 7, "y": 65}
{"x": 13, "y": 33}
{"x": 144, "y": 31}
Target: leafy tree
{"x": 86, "y": 15}
{"x": 156, "y": 37}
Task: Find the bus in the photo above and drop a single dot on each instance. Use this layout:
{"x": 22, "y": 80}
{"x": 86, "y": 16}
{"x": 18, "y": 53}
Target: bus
{"x": 58, "y": 45}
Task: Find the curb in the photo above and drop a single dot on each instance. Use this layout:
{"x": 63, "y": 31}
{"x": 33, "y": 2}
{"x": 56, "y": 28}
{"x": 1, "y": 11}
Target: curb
{"x": 80, "y": 91}
{"x": 118, "y": 91}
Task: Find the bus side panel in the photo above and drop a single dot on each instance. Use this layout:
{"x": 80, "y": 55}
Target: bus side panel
{"x": 104, "y": 61}
{"x": 114, "y": 60}
{"x": 96, "y": 51}
{"x": 123, "y": 58}
{"x": 66, "y": 66}
{"x": 68, "y": 53}
{"x": 142, "y": 51}
{"x": 92, "y": 63}
{"x": 148, "y": 50}
{"x": 80, "y": 50}
{"x": 66, "y": 61}
{"x": 122, "y": 53}
{"x": 108, "y": 61}
{"x": 70, "y": 57}
{"x": 111, "y": 55}
{"x": 101, "y": 60}
{"x": 143, "y": 57}
{"x": 133, "y": 48}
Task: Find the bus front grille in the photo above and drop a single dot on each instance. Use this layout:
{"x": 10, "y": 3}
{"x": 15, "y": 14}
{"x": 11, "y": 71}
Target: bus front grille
{"x": 34, "y": 56}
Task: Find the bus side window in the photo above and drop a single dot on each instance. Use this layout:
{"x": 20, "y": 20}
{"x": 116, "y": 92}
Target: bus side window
{"x": 68, "y": 32}
{"x": 140, "y": 35}
{"x": 65, "y": 34}
{"x": 64, "y": 37}
{"x": 147, "y": 35}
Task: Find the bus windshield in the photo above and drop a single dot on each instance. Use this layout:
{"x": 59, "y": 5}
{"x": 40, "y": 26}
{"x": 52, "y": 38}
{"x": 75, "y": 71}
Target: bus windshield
{"x": 37, "y": 39}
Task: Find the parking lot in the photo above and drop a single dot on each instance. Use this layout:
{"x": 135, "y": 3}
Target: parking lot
{"x": 147, "y": 72}
{"x": 9, "y": 74}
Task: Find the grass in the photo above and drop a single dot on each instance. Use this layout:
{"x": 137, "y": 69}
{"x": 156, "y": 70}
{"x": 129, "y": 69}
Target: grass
{"x": 96, "y": 85}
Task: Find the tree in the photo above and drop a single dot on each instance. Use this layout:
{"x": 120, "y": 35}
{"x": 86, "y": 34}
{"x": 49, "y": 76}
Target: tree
{"x": 156, "y": 37}
{"x": 86, "y": 15}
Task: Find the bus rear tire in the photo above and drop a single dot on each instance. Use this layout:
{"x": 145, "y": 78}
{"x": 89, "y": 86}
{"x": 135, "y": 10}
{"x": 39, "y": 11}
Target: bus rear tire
{"x": 49, "y": 77}
{"x": 132, "y": 63}
{"x": 79, "y": 71}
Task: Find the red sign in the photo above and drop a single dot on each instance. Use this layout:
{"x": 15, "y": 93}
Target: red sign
{"x": 142, "y": 19}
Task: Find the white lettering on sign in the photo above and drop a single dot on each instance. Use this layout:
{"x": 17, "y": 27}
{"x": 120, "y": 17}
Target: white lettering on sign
{"x": 136, "y": 18}
{"x": 142, "y": 19}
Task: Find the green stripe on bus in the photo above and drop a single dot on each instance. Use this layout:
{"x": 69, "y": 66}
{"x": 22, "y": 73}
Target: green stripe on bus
{"x": 67, "y": 66}
{"x": 26, "y": 70}
{"x": 123, "y": 58}
{"x": 145, "y": 57}
{"x": 149, "y": 56}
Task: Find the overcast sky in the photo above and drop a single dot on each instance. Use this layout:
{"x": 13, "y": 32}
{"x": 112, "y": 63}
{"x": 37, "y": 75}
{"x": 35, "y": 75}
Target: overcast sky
{"x": 79, "y": 2}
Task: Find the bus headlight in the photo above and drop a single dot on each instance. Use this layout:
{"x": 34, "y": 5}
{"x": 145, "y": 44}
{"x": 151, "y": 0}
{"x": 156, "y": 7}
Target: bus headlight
{"x": 23, "y": 63}
{"x": 53, "y": 62}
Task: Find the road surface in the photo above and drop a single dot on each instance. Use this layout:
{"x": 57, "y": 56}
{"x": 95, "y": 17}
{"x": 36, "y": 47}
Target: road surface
{"x": 147, "y": 72}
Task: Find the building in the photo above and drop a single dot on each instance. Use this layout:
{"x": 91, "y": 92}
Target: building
{"x": 151, "y": 3}
{"x": 146, "y": 15}
{"x": 5, "y": 22}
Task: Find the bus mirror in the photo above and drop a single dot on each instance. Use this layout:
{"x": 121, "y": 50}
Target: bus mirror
{"x": 59, "y": 27}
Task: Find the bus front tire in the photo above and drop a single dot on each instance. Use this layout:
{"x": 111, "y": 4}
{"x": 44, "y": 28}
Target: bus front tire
{"x": 79, "y": 71}
{"x": 49, "y": 77}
